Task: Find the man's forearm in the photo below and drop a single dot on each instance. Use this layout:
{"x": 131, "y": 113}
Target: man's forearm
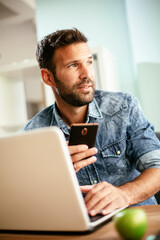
{"x": 143, "y": 187}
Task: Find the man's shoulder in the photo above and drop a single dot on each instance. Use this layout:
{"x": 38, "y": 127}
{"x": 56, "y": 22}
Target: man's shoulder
{"x": 41, "y": 119}
{"x": 112, "y": 95}
{"x": 112, "y": 102}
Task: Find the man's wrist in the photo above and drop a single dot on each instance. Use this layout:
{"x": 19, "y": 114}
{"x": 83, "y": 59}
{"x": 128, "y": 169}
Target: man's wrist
{"x": 128, "y": 193}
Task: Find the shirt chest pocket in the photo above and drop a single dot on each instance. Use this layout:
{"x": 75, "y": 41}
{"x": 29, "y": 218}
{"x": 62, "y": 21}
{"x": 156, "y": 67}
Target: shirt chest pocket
{"x": 114, "y": 158}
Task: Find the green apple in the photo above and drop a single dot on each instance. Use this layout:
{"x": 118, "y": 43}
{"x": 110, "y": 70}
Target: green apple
{"x": 131, "y": 223}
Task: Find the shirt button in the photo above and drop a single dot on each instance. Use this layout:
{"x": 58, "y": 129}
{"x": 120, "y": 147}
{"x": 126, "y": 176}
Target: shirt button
{"x": 118, "y": 152}
{"x": 95, "y": 181}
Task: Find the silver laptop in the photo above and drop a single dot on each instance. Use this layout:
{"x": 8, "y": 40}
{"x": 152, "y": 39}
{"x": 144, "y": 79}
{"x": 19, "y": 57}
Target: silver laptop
{"x": 39, "y": 190}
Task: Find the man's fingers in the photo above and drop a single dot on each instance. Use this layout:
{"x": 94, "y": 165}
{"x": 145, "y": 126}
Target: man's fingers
{"x": 97, "y": 198}
{"x": 94, "y": 195}
{"x": 77, "y": 149}
{"x": 95, "y": 207}
{"x": 84, "y": 155}
{"x": 103, "y": 198}
{"x": 84, "y": 163}
{"x": 110, "y": 207}
{"x": 86, "y": 188}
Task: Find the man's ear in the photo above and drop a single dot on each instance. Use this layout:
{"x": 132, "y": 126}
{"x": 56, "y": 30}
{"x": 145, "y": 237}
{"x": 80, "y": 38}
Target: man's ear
{"x": 47, "y": 77}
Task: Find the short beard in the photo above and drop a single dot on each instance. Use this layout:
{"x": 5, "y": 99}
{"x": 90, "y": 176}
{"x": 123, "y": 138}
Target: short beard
{"x": 71, "y": 96}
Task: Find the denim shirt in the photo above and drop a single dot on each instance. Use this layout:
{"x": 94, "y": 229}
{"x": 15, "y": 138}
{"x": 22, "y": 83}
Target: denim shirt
{"x": 125, "y": 140}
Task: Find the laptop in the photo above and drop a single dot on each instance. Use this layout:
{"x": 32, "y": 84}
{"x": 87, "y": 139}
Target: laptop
{"x": 38, "y": 185}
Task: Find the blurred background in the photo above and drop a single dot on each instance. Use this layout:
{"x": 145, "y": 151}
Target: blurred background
{"x": 124, "y": 37}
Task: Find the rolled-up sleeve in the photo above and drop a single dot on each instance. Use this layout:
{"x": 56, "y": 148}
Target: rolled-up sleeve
{"x": 143, "y": 147}
{"x": 148, "y": 160}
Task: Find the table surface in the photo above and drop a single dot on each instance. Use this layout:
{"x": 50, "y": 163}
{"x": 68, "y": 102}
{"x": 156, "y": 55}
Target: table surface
{"x": 106, "y": 232}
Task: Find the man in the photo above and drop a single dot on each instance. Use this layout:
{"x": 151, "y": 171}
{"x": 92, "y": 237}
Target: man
{"x": 109, "y": 173}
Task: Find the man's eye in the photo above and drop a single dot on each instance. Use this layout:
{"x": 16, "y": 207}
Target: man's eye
{"x": 72, "y": 65}
{"x": 90, "y": 62}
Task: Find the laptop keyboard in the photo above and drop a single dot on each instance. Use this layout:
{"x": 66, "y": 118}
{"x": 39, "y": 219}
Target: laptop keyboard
{"x": 95, "y": 218}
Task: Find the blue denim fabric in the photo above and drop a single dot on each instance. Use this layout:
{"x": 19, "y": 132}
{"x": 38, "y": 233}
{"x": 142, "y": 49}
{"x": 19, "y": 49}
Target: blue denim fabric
{"x": 125, "y": 140}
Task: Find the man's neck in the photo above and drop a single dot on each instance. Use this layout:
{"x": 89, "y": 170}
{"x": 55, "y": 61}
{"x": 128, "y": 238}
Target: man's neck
{"x": 71, "y": 114}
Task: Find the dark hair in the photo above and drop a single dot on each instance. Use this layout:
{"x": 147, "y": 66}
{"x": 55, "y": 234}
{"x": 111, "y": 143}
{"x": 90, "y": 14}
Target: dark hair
{"x": 47, "y": 46}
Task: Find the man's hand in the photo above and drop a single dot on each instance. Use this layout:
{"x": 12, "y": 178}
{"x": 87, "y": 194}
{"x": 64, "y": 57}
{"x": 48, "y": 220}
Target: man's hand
{"x": 104, "y": 198}
{"x": 82, "y": 156}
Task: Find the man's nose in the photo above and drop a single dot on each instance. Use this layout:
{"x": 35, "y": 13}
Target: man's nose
{"x": 86, "y": 72}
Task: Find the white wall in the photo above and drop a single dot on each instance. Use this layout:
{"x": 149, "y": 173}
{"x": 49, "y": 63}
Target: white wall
{"x": 144, "y": 27}
{"x": 149, "y": 88}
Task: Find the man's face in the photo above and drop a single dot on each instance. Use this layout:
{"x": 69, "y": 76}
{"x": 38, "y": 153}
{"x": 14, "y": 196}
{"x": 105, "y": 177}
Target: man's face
{"x": 74, "y": 78}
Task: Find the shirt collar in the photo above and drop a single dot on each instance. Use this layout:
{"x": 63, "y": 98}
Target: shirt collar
{"x": 57, "y": 120}
{"x": 93, "y": 111}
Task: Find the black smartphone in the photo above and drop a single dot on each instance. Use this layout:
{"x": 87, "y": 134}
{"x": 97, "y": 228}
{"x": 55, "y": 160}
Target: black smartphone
{"x": 83, "y": 133}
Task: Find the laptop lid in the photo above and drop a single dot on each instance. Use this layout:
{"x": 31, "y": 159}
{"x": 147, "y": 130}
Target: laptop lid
{"x": 38, "y": 185}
